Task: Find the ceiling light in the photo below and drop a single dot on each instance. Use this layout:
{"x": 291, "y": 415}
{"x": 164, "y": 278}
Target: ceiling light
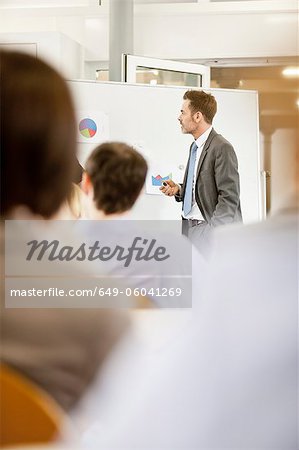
{"x": 291, "y": 72}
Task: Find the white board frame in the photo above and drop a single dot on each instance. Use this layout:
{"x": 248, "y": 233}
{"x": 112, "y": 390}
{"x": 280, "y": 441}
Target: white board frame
{"x": 146, "y": 116}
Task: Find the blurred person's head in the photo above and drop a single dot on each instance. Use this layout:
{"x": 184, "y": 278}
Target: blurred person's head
{"x": 37, "y": 135}
{"x": 115, "y": 175}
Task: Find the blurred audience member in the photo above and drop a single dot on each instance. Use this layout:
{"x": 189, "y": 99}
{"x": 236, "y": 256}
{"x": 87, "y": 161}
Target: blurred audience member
{"x": 59, "y": 349}
{"x": 114, "y": 177}
{"x": 232, "y": 381}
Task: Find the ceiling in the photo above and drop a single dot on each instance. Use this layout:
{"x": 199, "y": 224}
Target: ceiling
{"x": 193, "y": 1}
{"x": 92, "y": 3}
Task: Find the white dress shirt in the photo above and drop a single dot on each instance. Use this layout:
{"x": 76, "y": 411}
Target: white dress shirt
{"x": 195, "y": 211}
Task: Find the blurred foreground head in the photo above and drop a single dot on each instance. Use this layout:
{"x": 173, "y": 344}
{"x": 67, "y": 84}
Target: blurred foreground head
{"x": 37, "y": 135}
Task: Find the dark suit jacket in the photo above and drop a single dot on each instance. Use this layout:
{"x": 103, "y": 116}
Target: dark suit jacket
{"x": 217, "y": 187}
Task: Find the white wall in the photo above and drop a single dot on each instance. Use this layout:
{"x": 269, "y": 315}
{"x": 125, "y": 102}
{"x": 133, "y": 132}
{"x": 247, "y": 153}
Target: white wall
{"x": 173, "y": 31}
{"x": 56, "y": 48}
{"x": 216, "y": 36}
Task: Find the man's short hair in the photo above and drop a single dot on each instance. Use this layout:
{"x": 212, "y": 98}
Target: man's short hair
{"x": 117, "y": 173}
{"x": 203, "y": 102}
{"x": 38, "y": 135}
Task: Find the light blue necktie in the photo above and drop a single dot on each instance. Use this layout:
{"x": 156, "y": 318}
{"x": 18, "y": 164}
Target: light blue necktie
{"x": 189, "y": 184}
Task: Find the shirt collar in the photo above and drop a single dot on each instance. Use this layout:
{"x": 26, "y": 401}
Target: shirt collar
{"x": 200, "y": 142}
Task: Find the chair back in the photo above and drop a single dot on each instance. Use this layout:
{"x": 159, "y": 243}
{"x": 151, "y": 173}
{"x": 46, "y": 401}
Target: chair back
{"x": 27, "y": 414}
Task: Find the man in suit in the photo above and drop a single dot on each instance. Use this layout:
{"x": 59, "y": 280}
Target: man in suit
{"x": 210, "y": 191}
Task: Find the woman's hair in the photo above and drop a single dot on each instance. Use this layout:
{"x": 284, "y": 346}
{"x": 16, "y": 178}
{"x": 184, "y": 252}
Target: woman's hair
{"x": 37, "y": 135}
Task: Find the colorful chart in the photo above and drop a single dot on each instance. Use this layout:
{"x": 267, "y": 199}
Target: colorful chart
{"x": 158, "y": 180}
{"x": 87, "y": 128}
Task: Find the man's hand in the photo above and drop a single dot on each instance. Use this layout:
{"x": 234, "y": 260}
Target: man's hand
{"x": 170, "y": 188}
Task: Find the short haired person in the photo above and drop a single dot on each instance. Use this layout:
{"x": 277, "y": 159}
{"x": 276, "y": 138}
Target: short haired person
{"x": 113, "y": 180}
{"x": 115, "y": 174}
{"x": 210, "y": 191}
{"x": 59, "y": 349}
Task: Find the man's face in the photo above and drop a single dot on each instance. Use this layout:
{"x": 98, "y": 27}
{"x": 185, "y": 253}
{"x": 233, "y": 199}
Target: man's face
{"x": 187, "y": 119}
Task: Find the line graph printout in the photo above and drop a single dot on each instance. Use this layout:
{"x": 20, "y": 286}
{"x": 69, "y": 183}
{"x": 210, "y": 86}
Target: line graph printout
{"x": 159, "y": 173}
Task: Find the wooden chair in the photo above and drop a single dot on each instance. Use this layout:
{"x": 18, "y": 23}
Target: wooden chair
{"x": 27, "y": 414}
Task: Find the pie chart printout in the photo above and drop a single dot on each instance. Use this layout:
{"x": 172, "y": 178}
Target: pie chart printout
{"x": 87, "y": 128}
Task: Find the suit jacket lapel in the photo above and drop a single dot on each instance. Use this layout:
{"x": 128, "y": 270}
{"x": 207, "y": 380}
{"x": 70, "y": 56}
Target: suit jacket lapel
{"x": 205, "y": 149}
{"x": 202, "y": 157}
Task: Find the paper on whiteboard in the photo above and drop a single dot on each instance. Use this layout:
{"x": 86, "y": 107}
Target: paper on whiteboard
{"x": 92, "y": 127}
{"x": 158, "y": 173}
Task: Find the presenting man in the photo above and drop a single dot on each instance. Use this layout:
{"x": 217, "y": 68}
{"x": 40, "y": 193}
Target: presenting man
{"x": 210, "y": 191}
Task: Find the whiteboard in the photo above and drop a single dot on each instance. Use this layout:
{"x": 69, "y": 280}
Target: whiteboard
{"x": 147, "y": 118}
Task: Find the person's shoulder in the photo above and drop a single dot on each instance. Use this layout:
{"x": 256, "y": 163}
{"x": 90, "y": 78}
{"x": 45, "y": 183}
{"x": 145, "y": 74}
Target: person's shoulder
{"x": 219, "y": 142}
{"x": 280, "y": 221}
{"x": 276, "y": 231}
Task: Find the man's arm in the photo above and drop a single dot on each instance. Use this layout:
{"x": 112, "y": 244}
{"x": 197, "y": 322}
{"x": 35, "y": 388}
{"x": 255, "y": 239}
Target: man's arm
{"x": 228, "y": 185}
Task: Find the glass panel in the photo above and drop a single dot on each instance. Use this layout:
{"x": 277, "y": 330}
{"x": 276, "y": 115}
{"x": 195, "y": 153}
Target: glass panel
{"x": 147, "y": 75}
{"x": 102, "y": 75}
